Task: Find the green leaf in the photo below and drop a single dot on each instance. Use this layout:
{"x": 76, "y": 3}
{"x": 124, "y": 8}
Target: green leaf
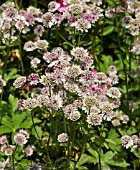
{"x": 5, "y": 129}
{"x": 113, "y": 140}
{"x": 18, "y": 118}
{"x": 5, "y": 108}
{"x": 13, "y": 103}
{"x": 118, "y": 162}
{"x": 93, "y": 153}
{"x": 2, "y": 47}
{"x": 107, "y": 156}
{"x": 86, "y": 159}
{"x": 12, "y": 75}
{"x": 107, "y": 30}
{"x": 38, "y": 132}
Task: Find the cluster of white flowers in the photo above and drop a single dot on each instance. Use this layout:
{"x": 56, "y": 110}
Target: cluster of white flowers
{"x": 21, "y": 138}
{"x": 131, "y": 141}
{"x": 93, "y": 90}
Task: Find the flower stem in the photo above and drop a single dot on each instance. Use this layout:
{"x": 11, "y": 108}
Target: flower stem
{"x": 20, "y": 50}
{"x": 47, "y": 152}
{"x": 64, "y": 39}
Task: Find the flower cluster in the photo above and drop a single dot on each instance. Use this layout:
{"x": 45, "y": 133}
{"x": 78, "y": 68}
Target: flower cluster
{"x": 21, "y": 138}
{"x": 132, "y": 21}
{"x": 118, "y": 118}
{"x": 130, "y": 141}
{"x": 77, "y": 14}
{"x": 13, "y": 21}
{"x": 67, "y": 75}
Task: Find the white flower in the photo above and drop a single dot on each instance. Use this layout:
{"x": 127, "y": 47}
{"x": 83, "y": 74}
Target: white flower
{"x": 63, "y": 137}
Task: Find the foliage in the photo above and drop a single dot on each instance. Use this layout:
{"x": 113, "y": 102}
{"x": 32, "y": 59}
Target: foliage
{"x": 69, "y": 84}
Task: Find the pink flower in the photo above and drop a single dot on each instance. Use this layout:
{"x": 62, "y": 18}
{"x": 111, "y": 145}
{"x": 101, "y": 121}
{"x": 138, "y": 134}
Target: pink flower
{"x": 92, "y": 88}
{"x": 105, "y": 89}
{"x": 62, "y": 7}
{"x": 94, "y": 71}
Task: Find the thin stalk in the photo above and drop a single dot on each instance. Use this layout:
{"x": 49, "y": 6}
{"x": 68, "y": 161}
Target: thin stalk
{"x": 65, "y": 39}
{"x": 95, "y": 57}
{"x": 13, "y": 163}
{"x": 99, "y": 150}
{"x": 82, "y": 150}
{"x": 20, "y": 5}
{"x": 123, "y": 62}
{"x": 20, "y": 50}
{"x": 47, "y": 152}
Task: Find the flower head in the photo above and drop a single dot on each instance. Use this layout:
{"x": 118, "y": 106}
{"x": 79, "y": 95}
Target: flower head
{"x": 63, "y": 137}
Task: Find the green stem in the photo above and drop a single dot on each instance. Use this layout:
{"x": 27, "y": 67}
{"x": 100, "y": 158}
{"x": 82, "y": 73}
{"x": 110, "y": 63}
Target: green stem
{"x": 123, "y": 62}
{"x": 47, "y": 152}
{"x": 82, "y": 150}
{"x": 13, "y": 164}
{"x": 20, "y": 50}
{"x": 64, "y": 39}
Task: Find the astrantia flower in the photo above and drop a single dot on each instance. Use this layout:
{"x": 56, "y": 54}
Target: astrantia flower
{"x": 50, "y": 57}
{"x": 19, "y": 82}
{"x": 39, "y": 30}
{"x": 89, "y": 101}
{"x": 29, "y": 19}
{"x": 63, "y": 137}
{"x": 10, "y": 14}
{"x": 20, "y": 104}
{"x": 53, "y": 6}
{"x": 72, "y": 21}
{"x": 79, "y": 53}
{"x": 58, "y": 18}
{"x": 33, "y": 78}
{"x": 34, "y": 62}
{"x": 20, "y": 139}
{"x": 94, "y": 119}
{"x": 46, "y": 80}
{"x": 32, "y": 10}
{"x": 71, "y": 87}
{"x": 24, "y": 132}
{"x": 114, "y": 79}
{"x": 82, "y": 25}
{"x": 30, "y": 103}
{"x": 110, "y": 13}
{"x": 43, "y": 100}
{"x": 75, "y": 9}
{"x": 48, "y": 19}
{"x": 112, "y": 70}
{"x": 41, "y": 44}
{"x": 75, "y": 115}
{"x": 100, "y": 77}
{"x": 29, "y": 150}
{"x": 20, "y": 24}
{"x": 73, "y": 71}
{"x": 8, "y": 151}
{"x": 126, "y": 21}
{"x": 124, "y": 118}
{"x": 126, "y": 141}
{"x": 56, "y": 102}
{"x": 114, "y": 92}
{"x": 115, "y": 122}
{"x": 29, "y": 46}
{"x": 69, "y": 109}
{"x": 3, "y": 139}
{"x": 95, "y": 109}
